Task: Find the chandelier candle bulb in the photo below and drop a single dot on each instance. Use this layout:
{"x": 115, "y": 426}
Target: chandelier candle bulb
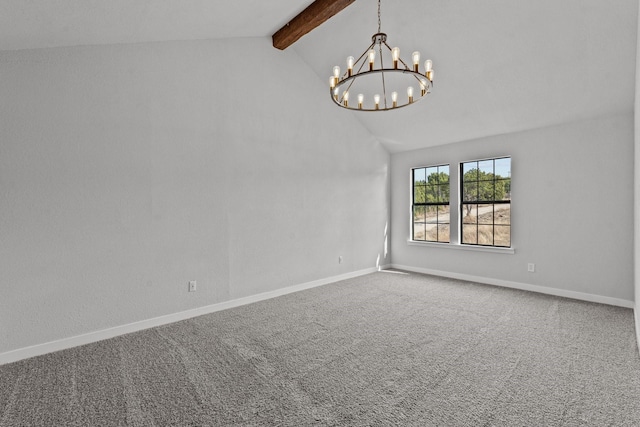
{"x": 430, "y": 75}
{"x": 394, "y": 98}
{"x": 376, "y": 99}
{"x": 345, "y": 99}
{"x": 350, "y": 61}
{"x": 428, "y": 65}
{"x": 336, "y": 74}
{"x": 360, "y": 100}
{"x": 423, "y": 88}
{"x": 332, "y": 82}
{"x": 395, "y": 55}
{"x": 416, "y": 60}
{"x": 372, "y": 58}
{"x": 410, "y": 94}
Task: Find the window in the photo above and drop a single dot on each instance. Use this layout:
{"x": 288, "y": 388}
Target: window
{"x": 485, "y": 210}
{"x": 431, "y": 204}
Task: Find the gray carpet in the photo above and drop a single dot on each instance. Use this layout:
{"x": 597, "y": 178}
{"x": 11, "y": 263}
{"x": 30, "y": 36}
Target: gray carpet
{"x": 383, "y": 349}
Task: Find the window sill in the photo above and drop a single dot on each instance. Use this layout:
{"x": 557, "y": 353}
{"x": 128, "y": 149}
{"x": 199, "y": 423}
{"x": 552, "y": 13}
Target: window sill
{"x": 463, "y": 247}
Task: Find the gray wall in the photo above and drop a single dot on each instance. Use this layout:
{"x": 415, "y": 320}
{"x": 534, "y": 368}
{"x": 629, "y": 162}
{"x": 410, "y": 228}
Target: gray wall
{"x": 126, "y": 171}
{"x": 637, "y": 186}
{"x": 572, "y": 208}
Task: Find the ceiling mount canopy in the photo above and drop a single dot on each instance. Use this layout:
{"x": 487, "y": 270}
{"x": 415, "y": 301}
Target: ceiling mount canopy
{"x": 381, "y": 74}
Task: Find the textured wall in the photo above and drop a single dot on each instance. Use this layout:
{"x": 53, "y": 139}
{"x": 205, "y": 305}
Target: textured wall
{"x": 572, "y": 208}
{"x": 128, "y": 170}
{"x": 637, "y": 185}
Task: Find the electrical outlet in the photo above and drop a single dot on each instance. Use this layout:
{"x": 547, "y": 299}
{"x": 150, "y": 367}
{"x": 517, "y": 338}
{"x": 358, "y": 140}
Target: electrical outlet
{"x": 192, "y": 286}
{"x": 531, "y": 267}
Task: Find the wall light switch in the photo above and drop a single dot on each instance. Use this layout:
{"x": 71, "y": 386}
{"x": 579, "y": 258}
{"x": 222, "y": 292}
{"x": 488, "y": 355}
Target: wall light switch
{"x": 192, "y": 286}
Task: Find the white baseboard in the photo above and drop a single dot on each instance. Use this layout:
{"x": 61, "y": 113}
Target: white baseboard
{"x": 637, "y": 317}
{"x": 523, "y": 286}
{"x": 65, "y": 343}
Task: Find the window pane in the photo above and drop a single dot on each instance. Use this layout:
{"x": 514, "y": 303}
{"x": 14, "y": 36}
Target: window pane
{"x": 469, "y": 234}
{"x": 431, "y": 193}
{"x": 486, "y": 190}
{"x": 443, "y": 193}
{"x": 432, "y": 214}
{"x": 485, "y": 234}
{"x": 431, "y": 232}
{"x": 503, "y": 189}
{"x": 469, "y": 167}
{"x": 503, "y": 168}
{"x": 469, "y": 214}
{"x": 418, "y": 231}
{"x": 432, "y": 175}
{"x": 443, "y": 233}
{"x": 502, "y": 214}
{"x": 444, "y": 174}
{"x": 485, "y": 214}
{"x": 444, "y": 214}
{"x": 418, "y": 175}
{"x": 470, "y": 191}
{"x": 419, "y": 194}
{"x": 418, "y": 213}
{"x": 486, "y": 168}
{"x": 502, "y": 235}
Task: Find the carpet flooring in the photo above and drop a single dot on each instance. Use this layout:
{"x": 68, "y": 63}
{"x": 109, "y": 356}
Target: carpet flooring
{"x": 386, "y": 349}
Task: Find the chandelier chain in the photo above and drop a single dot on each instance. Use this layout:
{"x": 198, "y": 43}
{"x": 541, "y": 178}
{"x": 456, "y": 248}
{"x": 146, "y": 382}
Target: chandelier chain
{"x": 379, "y": 21}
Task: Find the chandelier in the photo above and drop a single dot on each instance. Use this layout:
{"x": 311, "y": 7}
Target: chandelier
{"x": 376, "y": 86}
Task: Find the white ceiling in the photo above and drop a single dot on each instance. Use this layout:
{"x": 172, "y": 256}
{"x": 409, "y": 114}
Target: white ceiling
{"x": 27, "y": 24}
{"x": 501, "y": 65}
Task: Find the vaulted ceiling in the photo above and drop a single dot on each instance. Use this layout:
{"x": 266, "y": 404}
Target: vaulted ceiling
{"x": 501, "y": 65}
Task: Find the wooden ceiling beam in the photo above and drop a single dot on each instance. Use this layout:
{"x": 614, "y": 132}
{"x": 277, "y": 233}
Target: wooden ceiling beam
{"x": 314, "y": 15}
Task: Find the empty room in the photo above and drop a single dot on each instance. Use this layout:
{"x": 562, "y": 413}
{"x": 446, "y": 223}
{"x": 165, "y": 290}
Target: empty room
{"x": 319, "y": 213}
